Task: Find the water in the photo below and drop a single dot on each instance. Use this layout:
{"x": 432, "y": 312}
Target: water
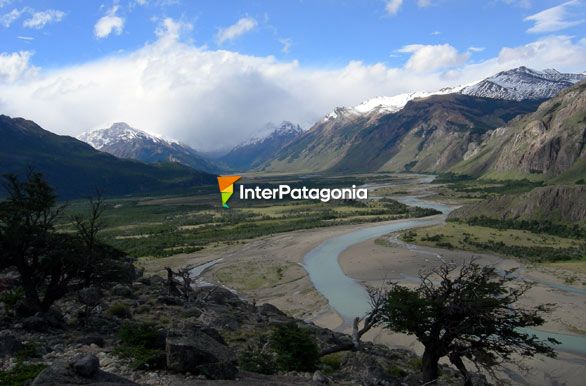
{"x": 350, "y": 299}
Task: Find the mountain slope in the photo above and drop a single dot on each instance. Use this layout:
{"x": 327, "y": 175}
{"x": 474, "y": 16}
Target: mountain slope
{"x": 257, "y": 151}
{"x": 76, "y": 169}
{"x": 545, "y": 144}
{"x": 523, "y": 83}
{"x": 558, "y": 204}
{"x": 124, "y": 141}
{"x": 427, "y": 135}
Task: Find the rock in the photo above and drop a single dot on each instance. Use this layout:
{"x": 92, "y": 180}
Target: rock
{"x": 318, "y": 377}
{"x": 90, "y": 296}
{"x": 54, "y": 318}
{"x": 86, "y": 366}
{"x": 121, "y": 290}
{"x": 156, "y": 280}
{"x": 9, "y": 345}
{"x": 35, "y": 323}
{"x": 170, "y": 300}
{"x": 92, "y": 339}
{"x": 189, "y": 354}
{"x": 62, "y": 374}
{"x": 270, "y": 310}
{"x": 23, "y": 309}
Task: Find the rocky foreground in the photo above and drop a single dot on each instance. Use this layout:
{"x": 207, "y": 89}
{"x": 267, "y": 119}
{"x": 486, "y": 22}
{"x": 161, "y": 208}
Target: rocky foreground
{"x": 140, "y": 334}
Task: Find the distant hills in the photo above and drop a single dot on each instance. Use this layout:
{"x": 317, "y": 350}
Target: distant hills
{"x": 76, "y": 169}
{"x": 257, "y": 151}
{"x": 124, "y": 141}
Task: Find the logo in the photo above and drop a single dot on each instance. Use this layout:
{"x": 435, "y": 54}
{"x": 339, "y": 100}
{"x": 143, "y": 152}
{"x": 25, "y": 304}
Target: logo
{"x": 226, "y": 184}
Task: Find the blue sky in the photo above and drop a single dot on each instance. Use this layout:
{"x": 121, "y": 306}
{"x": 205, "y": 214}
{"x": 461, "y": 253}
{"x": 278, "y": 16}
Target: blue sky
{"x": 250, "y": 62}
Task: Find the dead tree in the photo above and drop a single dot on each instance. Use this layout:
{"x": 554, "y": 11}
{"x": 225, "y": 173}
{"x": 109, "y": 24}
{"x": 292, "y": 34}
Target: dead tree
{"x": 377, "y": 298}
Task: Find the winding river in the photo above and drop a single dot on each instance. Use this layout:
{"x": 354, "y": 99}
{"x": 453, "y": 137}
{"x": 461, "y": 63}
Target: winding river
{"x": 350, "y": 299}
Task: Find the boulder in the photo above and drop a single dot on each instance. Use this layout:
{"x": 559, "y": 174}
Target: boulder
{"x": 86, "y": 366}
{"x": 90, "y": 296}
{"x": 35, "y": 323}
{"x": 63, "y": 374}
{"x": 121, "y": 290}
{"x": 87, "y": 340}
{"x": 9, "y": 345}
{"x": 199, "y": 353}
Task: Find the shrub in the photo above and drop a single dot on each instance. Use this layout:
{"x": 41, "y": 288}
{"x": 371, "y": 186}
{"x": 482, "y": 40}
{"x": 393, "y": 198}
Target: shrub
{"x": 295, "y": 347}
{"x": 257, "y": 361}
{"x": 143, "y": 343}
{"x": 11, "y": 297}
{"x": 332, "y": 362}
{"x": 21, "y": 374}
{"x": 120, "y": 310}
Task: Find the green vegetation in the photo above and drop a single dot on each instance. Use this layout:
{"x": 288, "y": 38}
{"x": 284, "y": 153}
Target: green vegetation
{"x": 160, "y": 227}
{"x": 142, "y": 343}
{"x": 120, "y": 310}
{"x": 21, "y": 374}
{"x": 465, "y": 312}
{"x": 517, "y": 243}
{"x": 296, "y": 349}
{"x": 257, "y": 360}
{"x": 546, "y": 226}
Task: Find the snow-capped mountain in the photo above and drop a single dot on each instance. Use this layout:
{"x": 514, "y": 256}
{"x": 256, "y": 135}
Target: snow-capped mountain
{"x": 386, "y": 104}
{"x": 517, "y": 84}
{"x": 124, "y": 141}
{"x": 523, "y": 83}
{"x": 259, "y": 149}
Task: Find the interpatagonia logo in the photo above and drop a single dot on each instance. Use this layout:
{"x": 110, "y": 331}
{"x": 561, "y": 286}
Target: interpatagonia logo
{"x": 226, "y": 184}
{"x": 280, "y": 192}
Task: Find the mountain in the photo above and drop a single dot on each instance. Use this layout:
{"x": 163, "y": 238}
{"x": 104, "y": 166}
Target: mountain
{"x": 428, "y": 135}
{"x": 523, "y": 83}
{"x": 256, "y": 151}
{"x": 420, "y": 131}
{"x": 549, "y": 143}
{"x": 124, "y": 141}
{"x": 558, "y": 204}
{"x": 75, "y": 169}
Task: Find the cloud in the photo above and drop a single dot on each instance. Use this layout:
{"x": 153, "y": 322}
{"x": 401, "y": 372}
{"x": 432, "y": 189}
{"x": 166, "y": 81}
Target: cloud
{"x": 555, "y": 18}
{"x": 519, "y": 3}
{"x": 8, "y": 18}
{"x": 393, "y": 6}
{"x": 242, "y": 26}
{"x": 27, "y": 38}
{"x": 40, "y": 19}
{"x": 110, "y": 23}
{"x": 286, "y": 45}
{"x": 214, "y": 99}
{"x": 423, "y": 3}
{"x": 432, "y": 57}
{"x": 16, "y": 66}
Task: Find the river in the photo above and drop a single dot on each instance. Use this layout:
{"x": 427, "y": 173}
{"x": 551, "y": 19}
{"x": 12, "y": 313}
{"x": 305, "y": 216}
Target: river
{"x": 349, "y": 298}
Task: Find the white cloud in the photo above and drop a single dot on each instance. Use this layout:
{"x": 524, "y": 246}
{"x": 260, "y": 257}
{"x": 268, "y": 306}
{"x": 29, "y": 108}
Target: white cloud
{"x": 423, "y": 3}
{"x": 39, "y": 19}
{"x": 237, "y": 29}
{"x": 8, "y": 18}
{"x": 519, "y": 3}
{"x": 393, "y": 6}
{"x": 216, "y": 98}
{"x": 110, "y": 23}
{"x": 16, "y": 66}
{"x": 555, "y": 18}
{"x": 285, "y": 45}
{"x": 435, "y": 33}
{"x": 432, "y": 57}
{"x": 27, "y": 38}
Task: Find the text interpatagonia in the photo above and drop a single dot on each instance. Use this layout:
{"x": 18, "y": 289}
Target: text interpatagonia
{"x": 303, "y": 193}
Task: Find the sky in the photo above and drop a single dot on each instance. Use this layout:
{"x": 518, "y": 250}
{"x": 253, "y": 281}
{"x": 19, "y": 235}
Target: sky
{"x": 213, "y": 73}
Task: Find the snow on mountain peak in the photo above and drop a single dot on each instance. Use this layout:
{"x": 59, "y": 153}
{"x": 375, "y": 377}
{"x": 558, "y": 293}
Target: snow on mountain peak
{"x": 119, "y": 132}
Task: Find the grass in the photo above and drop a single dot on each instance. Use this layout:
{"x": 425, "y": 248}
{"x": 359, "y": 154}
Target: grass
{"x": 509, "y": 242}
{"x": 257, "y": 274}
